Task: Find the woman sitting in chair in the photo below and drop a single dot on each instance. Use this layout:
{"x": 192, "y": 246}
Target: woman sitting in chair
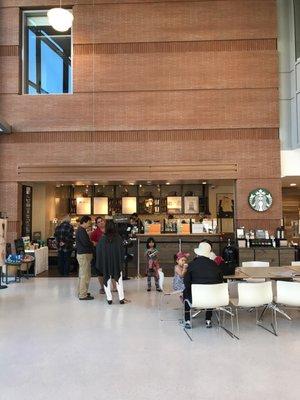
{"x": 202, "y": 270}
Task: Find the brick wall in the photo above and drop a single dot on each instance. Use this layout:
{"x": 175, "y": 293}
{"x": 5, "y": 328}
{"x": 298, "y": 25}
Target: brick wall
{"x": 155, "y": 83}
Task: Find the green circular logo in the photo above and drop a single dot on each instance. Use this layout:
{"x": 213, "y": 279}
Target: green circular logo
{"x": 260, "y": 199}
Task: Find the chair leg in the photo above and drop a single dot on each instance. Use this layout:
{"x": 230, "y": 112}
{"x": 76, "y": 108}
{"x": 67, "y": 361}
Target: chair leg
{"x": 259, "y": 322}
{"x": 237, "y": 321}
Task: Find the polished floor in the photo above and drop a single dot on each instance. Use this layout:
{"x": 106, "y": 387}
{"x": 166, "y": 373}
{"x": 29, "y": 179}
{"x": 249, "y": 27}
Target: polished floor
{"x": 53, "y": 346}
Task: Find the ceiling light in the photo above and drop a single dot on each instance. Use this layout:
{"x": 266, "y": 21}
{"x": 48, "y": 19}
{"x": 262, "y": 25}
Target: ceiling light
{"x": 167, "y": 183}
{"x": 140, "y": 185}
{"x": 60, "y": 19}
{"x": 293, "y": 184}
{"x": 131, "y": 183}
{"x": 96, "y": 184}
{"x": 204, "y": 183}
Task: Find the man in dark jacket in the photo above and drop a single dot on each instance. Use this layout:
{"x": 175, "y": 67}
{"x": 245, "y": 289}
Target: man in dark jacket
{"x": 84, "y": 248}
{"x": 64, "y": 238}
{"x": 202, "y": 270}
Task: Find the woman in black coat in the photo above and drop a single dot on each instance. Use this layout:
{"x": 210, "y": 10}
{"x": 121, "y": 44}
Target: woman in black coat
{"x": 110, "y": 259}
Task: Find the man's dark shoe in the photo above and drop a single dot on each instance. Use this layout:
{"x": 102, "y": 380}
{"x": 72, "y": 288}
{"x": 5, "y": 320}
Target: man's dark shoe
{"x": 149, "y": 289}
{"x": 109, "y": 302}
{"x": 86, "y": 298}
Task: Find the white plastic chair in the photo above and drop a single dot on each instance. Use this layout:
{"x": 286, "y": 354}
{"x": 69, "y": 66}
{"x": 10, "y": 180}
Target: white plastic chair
{"x": 212, "y": 297}
{"x": 296, "y": 264}
{"x": 254, "y": 295}
{"x": 255, "y": 264}
{"x": 288, "y": 296}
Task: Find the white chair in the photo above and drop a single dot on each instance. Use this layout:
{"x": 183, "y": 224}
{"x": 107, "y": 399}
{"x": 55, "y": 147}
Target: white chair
{"x": 254, "y": 295}
{"x": 288, "y": 296}
{"x": 255, "y": 264}
{"x": 296, "y": 264}
{"x": 212, "y": 297}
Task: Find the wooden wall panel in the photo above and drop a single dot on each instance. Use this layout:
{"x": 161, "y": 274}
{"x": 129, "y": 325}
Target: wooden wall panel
{"x": 9, "y": 26}
{"x": 152, "y": 22}
{"x": 171, "y": 71}
{"x": 194, "y": 109}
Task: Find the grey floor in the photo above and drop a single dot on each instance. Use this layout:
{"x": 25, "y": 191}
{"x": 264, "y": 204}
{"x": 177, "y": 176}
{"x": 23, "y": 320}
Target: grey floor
{"x": 53, "y": 346}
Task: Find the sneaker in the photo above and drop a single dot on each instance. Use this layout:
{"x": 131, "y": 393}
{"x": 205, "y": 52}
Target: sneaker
{"x": 109, "y": 302}
{"x": 188, "y": 325}
{"x": 158, "y": 289}
{"x": 208, "y": 323}
{"x": 149, "y": 289}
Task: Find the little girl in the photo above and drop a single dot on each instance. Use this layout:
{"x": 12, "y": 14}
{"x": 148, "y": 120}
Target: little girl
{"x": 152, "y": 264}
{"x": 180, "y": 270}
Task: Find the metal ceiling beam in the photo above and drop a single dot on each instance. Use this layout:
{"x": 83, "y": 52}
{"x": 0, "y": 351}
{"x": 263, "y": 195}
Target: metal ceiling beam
{"x": 4, "y": 127}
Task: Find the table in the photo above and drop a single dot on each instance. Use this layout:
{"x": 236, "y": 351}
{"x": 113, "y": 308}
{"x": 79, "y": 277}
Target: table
{"x": 41, "y": 259}
{"x": 286, "y": 272}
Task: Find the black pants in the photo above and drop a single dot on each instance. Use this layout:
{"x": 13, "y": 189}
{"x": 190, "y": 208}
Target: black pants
{"x": 187, "y": 309}
{"x": 63, "y": 261}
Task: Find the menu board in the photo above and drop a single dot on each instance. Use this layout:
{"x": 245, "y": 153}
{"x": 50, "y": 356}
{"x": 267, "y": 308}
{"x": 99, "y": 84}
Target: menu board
{"x": 174, "y": 204}
{"x": 101, "y": 205}
{"x": 26, "y": 210}
{"x": 191, "y": 205}
{"x": 83, "y": 206}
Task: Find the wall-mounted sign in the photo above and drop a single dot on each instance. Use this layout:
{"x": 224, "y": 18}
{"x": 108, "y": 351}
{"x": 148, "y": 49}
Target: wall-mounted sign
{"x": 260, "y": 199}
{"x": 26, "y": 210}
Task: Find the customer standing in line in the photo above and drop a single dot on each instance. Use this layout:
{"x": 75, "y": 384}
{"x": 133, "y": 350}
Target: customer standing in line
{"x": 95, "y": 236}
{"x": 110, "y": 254}
{"x": 63, "y": 234}
{"x": 84, "y": 248}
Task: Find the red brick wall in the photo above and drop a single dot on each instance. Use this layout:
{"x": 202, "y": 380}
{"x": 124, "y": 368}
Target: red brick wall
{"x": 170, "y": 82}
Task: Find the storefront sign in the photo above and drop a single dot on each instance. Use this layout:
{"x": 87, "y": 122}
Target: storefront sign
{"x": 260, "y": 199}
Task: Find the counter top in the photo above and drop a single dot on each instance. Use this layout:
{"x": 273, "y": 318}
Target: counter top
{"x": 178, "y": 234}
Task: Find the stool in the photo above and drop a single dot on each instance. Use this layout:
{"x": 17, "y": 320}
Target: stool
{"x": 1, "y": 286}
{"x": 17, "y": 273}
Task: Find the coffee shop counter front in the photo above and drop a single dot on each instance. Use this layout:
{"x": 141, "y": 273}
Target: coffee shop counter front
{"x": 168, "y": 244}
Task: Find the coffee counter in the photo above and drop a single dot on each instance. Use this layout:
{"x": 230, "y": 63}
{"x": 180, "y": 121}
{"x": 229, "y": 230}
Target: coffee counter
{"x": 276, "y": 256}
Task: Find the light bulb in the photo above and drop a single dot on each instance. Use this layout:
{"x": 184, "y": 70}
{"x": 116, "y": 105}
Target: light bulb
{"x": 60, "y": 19}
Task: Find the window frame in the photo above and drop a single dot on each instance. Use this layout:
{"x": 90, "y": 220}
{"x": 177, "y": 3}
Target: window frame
{"x": 24, "y": 58}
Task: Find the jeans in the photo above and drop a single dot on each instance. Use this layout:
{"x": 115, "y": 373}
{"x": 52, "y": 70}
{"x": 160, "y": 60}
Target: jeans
{"x": 64, "y": 261}
{"x": 187, "y": 308}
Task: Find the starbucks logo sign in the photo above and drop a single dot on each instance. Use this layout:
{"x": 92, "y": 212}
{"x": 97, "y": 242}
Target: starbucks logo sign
{"x": 260, "y": 199}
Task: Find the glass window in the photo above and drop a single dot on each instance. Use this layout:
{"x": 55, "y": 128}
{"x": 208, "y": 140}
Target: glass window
{"x": 47, "y": 66}
{"x": 297, "y": 27}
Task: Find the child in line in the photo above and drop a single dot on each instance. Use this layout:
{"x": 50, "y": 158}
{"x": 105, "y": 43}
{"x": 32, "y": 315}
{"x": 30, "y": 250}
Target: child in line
{"x": 152, "y": 264}
{"x": 180, "y": 270}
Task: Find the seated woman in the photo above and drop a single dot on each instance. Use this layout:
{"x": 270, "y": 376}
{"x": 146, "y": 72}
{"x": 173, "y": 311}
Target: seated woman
{"x": 180, "y": 270}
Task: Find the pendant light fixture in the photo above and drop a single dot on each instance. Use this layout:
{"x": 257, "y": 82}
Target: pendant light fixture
{"x": 60, "y": 18}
